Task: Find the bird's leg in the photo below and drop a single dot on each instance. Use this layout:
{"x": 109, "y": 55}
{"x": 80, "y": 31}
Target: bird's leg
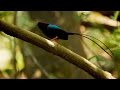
{"x": 55, "y": 39}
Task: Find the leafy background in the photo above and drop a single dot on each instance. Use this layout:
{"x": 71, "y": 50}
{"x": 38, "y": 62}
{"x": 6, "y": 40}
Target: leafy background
{"x": 19, "y": 59}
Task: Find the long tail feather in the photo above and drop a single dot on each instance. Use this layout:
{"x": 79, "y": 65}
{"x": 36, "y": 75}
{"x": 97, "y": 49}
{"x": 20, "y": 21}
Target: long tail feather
{"x": 88, "y": 37}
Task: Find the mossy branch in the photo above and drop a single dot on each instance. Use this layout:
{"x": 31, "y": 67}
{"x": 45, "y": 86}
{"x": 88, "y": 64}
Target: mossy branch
{"x": 55, "y": 49}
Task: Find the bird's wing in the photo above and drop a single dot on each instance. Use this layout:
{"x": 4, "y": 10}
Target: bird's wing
{"x": 50, "y": 26}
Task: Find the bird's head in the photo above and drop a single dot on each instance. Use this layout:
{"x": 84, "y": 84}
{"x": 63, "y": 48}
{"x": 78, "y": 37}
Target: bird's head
{"x": 42, "y": 25}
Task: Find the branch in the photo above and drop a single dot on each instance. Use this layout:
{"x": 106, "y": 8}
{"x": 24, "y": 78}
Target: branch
{"x": 56, "y": 49}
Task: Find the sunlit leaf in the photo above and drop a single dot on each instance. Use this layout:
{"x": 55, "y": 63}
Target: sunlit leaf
{"x": 19, "y": 58}
{"x": 5, "y": 58}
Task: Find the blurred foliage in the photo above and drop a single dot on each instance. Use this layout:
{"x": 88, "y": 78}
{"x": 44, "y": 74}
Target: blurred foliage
{"x": 24, "y": 21}
{"x": 102, "y": 63}
{"x": 34, "y": 62}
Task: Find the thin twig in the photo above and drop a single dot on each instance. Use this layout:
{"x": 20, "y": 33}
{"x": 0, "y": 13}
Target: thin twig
{"x": 14, "y": 47}
{"x": 37, "y": 63}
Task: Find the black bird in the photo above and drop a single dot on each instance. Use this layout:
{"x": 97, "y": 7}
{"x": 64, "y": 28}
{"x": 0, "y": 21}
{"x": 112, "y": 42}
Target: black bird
{"x": 55, "y": 32}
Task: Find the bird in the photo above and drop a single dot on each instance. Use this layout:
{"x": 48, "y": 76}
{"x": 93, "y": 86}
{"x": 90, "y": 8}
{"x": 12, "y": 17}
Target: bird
{"x": 54, "y": 32}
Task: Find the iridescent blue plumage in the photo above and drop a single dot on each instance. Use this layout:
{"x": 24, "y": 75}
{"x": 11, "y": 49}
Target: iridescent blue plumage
{"x": 53, "y": 27}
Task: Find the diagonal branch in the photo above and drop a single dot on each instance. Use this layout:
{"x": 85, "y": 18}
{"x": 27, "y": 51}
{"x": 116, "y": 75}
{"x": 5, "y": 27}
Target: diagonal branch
{"x": 55, "y": 49}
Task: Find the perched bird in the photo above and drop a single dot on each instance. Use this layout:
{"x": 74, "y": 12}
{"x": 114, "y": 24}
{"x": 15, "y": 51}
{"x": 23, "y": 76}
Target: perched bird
{"x": 54, "y": 32}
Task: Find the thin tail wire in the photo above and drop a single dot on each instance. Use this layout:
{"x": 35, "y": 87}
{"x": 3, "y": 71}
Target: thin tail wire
{"x": 101, "y": 42}
{"x": 99, "y": 46}
{"x": 88, "y": 37}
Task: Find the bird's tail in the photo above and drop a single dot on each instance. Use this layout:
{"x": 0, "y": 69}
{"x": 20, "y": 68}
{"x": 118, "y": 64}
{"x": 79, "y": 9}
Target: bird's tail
{"x": 89, "y": 37}
{"x": 73, "y": 34}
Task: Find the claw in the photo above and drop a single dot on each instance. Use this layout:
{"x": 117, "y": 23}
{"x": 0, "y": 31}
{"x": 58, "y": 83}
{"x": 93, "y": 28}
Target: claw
{"x": 55, "y": 39}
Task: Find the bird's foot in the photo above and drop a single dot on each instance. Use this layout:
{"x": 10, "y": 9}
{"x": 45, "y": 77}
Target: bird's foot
{"x": 55, "y": 39}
